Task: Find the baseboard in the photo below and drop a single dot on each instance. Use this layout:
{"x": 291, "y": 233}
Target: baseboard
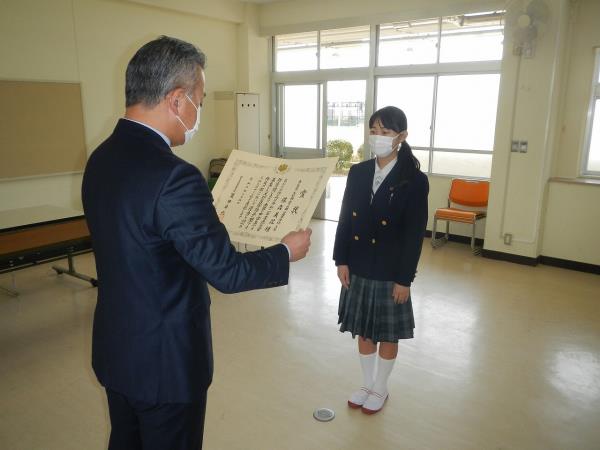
{"x": 518, "y": 259}
{"x": 456, "y": 238}
{"x": 525, "y": 260}
{"x": 571, "y": 265}
{"x": 546, "y": 260}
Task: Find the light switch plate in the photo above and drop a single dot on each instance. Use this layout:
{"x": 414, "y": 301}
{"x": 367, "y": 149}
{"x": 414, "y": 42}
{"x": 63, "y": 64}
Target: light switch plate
{"x": 523, "y": 146}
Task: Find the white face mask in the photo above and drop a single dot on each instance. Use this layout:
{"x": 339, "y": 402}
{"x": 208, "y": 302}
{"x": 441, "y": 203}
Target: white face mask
{"x": 189, "y": 134}
{"x": 381, "y": 146}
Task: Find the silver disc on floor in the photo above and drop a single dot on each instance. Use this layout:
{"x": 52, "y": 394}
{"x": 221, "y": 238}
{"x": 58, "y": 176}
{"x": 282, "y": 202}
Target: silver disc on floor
{"x": 324, "y": 414}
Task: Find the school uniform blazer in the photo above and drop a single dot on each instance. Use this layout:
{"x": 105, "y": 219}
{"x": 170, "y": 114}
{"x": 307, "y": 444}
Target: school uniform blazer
{"x": 381, "y": 239}
{"x": 157, "y": 242}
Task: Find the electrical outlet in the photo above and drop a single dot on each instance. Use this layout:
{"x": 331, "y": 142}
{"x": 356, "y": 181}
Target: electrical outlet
{"x": 514, "y": 146}
{"x": 508, "y": 238}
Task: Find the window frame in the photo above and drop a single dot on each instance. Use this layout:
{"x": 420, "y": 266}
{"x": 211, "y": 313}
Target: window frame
{"x": 371, "y": 74}
{"x": 591, "y": 112}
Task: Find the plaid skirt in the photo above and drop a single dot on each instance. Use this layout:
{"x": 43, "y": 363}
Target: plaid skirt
{"x": 367, "y": 309}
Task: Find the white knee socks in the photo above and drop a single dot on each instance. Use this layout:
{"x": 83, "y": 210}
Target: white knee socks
{"x": 384, "y": 369}
{"x": 379, "y": 392}
{"x": 367, "y": 363}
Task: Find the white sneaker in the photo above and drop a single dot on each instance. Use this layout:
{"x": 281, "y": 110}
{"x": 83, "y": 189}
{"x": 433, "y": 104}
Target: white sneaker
{"x": 374, "y": 402}
{"x": 358, "y": 398}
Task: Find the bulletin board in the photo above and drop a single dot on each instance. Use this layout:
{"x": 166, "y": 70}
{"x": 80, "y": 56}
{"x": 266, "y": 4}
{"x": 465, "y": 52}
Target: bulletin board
{"x": 41, "y": 129}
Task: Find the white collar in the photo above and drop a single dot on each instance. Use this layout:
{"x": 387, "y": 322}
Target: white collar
{"x": 161, "y": 134}
{"x": 380, "y": 174}
{"x": 387, "y": 169}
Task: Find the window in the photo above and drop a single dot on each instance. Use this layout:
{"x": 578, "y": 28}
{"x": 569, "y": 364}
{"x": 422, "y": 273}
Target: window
{"x": 415, "y": 94}
{"x": 592, "y": 136}
{"x": 464, "y": 119}
{"x": 345, "y": 47}
{"x": 328, "y": 49}
{"x": 407, "y": 43}
{"x": 346, "y": 110}
{"x": 466, "y": 111}
{"x": 296, "y": 51}
{"x": 301, "y": 116}
{"x": 472, "y": 37}
{"x": 443, "y": 72}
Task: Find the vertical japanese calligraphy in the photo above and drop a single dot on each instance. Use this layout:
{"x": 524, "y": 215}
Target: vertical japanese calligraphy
{"x": 260, "y": 199}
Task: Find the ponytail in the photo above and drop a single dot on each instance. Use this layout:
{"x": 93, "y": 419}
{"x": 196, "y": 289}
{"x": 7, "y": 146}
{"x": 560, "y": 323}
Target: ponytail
{"x": 409, "y": 164}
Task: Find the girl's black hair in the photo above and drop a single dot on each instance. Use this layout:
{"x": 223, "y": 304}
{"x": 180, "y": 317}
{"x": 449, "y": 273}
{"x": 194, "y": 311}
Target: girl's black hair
{"x": 394, "y": 118}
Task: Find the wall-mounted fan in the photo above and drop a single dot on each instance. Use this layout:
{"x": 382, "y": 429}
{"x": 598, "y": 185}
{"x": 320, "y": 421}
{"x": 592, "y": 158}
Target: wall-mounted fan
{"x": 527, "y": 23}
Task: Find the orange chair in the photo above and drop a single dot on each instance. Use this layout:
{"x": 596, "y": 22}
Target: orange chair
{"x": 471, "y": 193}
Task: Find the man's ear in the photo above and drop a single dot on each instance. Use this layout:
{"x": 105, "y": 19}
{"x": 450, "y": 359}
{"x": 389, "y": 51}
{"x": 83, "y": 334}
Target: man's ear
{"x": 174, "y": 99}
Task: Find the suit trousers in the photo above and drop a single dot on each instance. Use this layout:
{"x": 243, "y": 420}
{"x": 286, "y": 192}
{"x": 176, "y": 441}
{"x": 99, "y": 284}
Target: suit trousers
{"x": 138, "y": 425}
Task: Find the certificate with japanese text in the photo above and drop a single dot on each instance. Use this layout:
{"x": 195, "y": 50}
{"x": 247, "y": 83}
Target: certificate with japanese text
{"x": 260, "y": 199}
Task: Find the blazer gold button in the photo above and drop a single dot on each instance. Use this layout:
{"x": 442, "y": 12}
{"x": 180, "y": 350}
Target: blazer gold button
{"x": 354, "y": 213}
{"x": 384, "y": 223}
{"x": 356, "y": 238}
{"x": 391, "y": 189}
{"x": 373, "y": 241}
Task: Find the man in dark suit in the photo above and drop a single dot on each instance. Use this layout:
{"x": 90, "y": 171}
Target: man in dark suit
{"x": 158, "y": 242}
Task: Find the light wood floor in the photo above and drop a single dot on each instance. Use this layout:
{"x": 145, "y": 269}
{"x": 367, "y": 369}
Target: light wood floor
{"x": 505, "y": 357}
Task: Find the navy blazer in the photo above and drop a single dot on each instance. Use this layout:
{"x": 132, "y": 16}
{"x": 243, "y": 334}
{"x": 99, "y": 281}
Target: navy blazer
{"x": 381, "y": 239}
{"x": 157, "y": 242}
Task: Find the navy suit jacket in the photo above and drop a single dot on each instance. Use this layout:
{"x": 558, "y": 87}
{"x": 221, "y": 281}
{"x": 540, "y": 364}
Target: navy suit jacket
{"x": 157, "y": 242}
{"x": 382, "y": 239}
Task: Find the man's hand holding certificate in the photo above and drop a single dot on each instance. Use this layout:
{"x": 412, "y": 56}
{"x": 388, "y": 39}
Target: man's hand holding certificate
{"x": 261, "y": 199}
{"x": 298, "y": 243}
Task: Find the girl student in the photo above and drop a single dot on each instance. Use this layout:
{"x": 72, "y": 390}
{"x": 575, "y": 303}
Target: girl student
{"x": 377, "y": 247}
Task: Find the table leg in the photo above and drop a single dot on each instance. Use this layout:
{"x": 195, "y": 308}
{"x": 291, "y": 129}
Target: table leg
{"x": 12, "y": 291}
{"x": 72, "y": 272}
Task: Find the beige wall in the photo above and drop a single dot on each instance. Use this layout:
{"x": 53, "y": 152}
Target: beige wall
{"x": 527, "y": 110}
{"x": 584, "y": 35}
{"x": 227, "y": 10}
{"x": 40, "y": 47}
{"x": 572, "y": 222}
{"x": 253, "y": 76}
{"x": 254, "y": 70}
{"x": 71, "y": 40}
{"x": 572, "y": 218}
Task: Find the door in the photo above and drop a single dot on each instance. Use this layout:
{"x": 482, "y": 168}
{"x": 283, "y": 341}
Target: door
{"x": 303, "y": 128}
{"x": 299, "y": 124}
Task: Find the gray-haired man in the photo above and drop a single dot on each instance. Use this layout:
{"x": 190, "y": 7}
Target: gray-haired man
{"x": 157, "y": 242}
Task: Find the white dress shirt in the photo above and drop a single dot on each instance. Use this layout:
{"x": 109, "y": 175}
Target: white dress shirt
{"x": 380, "y": 174}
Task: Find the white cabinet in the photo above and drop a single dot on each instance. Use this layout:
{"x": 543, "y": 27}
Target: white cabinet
{"x": 247, "y": 122}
